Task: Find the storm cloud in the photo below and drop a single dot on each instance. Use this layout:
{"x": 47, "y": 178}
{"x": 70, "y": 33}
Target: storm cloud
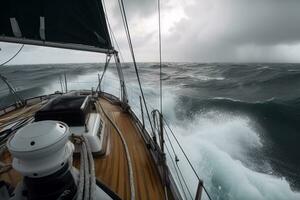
{"x": 197, "y": 31}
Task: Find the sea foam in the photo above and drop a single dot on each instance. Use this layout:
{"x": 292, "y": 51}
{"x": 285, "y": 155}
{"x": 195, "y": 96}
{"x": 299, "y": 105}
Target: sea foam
{"x": 216, "y": 145}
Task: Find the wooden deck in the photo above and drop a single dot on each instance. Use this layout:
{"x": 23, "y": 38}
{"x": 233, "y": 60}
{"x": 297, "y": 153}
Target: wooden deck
{"x": 112, "y": 169}
{"x": 147, "y": 181}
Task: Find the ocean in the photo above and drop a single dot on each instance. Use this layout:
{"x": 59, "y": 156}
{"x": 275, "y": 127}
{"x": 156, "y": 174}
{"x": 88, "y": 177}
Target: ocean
{"x": 239, "y": 123}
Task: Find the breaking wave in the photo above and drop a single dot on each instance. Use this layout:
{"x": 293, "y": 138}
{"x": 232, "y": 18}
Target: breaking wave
{"x": 238, "y": 123}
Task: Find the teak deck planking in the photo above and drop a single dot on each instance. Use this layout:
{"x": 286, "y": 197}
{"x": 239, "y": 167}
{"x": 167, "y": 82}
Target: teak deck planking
{"x": 112, "y": 168}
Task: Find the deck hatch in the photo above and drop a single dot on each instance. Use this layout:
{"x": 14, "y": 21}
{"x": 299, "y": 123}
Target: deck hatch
{"x": 72, "y": 110}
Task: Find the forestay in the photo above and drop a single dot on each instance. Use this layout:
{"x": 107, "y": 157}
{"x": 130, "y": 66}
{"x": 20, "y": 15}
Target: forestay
{"x": 73, "y": 24}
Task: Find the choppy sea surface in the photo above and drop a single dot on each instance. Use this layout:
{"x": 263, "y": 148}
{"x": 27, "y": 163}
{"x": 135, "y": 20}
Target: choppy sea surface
{"x": 239, "y": 123}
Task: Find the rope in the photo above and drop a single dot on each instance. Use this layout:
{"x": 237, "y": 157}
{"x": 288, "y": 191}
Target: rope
{"x": 86, "y": 195}
{"x": 125, "y": 23}
{"x": 13, "y": 56}
{"x": 92, "y": 169}
{"x": 205, "y": 190}
{"x": 87, "y": 178}
{"x": 81, "y": 177}
{"x": 5, "y": 134}
{"x": 5, "y": 168}
{"x": 129, "y": 163}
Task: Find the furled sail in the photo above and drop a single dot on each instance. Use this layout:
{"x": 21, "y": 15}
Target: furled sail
{"x": 74, "y": 24}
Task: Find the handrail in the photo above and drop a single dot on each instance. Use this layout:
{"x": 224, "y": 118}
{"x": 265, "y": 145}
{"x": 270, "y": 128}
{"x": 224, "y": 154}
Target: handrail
{"x": 156, "y": 113}
{"x": 189, "y": 162}
{"x": 13, "y": 106}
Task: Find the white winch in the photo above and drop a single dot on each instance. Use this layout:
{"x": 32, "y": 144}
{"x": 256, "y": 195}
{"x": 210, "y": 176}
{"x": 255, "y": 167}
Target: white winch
{"x": 41, "y": 148}
{"x": 42, "y": 153}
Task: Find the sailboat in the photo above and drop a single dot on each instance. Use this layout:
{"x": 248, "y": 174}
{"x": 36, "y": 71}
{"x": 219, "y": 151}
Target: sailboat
{"x": 80, "y": 144}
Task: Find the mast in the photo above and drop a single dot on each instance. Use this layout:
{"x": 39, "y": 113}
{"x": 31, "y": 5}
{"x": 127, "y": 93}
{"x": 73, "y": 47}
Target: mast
{"x": 69, "y": 24}
{"x": 124, "y": 97}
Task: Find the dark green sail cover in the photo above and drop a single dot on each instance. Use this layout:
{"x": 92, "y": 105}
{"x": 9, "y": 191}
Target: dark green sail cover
{"x": 78, "y": 22}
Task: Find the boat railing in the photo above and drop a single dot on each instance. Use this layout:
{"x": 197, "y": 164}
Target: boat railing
{"x": 63, "y": 84}
{"x": 27, "y": 102}
{"x": 173, "y": 170}
{"x": 179, "y": 169}
{"x": 173, "y": 163}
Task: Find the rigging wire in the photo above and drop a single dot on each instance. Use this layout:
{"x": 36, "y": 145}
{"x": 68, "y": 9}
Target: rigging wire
{"x": 160, "y": 90}
{"x": 205, "y": 190}
{"x": 4, "y": 63}
{"x": 106, "y": 17}
{"x": 174, "y": 165}
{"x": 126, "y": 27}
{"x": 111, "y": 31}
{"x": 160, "y": 63}
{"x": 176, "y": 160}
{"x": 125, "y": 23}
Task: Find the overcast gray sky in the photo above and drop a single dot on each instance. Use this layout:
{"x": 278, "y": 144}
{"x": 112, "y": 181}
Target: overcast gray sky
{"x": 193, "y": 31}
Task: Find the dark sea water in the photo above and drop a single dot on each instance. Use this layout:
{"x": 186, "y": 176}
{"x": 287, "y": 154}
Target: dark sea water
{"x": 239, "y": 123}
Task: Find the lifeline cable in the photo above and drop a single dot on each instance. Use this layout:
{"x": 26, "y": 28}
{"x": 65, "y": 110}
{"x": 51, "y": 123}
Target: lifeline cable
{"x": 176, "y": 165}
{"x": 205, "y": 190}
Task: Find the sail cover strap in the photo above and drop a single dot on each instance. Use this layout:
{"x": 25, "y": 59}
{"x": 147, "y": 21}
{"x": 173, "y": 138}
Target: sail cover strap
{"x": 77, "y": 22}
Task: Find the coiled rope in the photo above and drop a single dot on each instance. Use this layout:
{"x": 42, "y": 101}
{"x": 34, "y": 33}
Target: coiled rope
{"x": 87, "y": 179}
